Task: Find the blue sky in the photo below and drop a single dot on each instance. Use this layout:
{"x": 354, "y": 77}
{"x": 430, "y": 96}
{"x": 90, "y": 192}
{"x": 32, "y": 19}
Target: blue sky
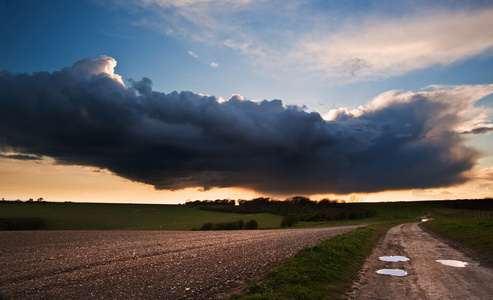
{"x": 255, "y": 44}
{"x": 319, "y": 55}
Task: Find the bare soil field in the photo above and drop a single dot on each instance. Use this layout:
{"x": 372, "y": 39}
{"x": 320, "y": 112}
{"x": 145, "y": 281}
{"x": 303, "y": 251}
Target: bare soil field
{"x": 426, "y": 278}
{"x": 143, "y": 264}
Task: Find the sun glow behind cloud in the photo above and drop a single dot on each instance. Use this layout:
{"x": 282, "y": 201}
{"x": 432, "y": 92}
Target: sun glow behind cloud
{"x": 33, "y": 179}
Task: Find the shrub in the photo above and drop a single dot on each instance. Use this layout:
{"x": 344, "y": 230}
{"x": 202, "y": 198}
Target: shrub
{"x": 252, "y": 224}
{"x": 228, "y": 226}
{"x": 290, "y": 220}
{"x": 207, "y": 226}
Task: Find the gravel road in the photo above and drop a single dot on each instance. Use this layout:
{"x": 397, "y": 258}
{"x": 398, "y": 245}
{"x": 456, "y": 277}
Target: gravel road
{"x": 426, "y": 278}
{"x": 143, "y": 264}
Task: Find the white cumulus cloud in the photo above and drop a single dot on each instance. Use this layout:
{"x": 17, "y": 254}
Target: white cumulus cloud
{"x": 100, "y": 65}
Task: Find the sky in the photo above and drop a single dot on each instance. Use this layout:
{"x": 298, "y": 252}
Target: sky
{"x": 155, "y": 101}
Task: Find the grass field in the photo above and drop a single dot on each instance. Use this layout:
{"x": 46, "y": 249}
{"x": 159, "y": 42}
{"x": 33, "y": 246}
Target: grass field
{"x": 404, "y": 211}
{"x": 477, "y": 234}
{"x": 98, "y": 216}
{"x": 401, "y": 209}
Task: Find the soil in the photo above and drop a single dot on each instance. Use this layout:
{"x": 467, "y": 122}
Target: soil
{"x": 143, "y": 264}
{"x": 426, "y": 278}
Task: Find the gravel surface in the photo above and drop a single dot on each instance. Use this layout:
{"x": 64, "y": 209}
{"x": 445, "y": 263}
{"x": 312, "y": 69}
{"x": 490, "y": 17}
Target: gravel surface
{"x": 426, "y": 278}
{"x": 143, "y": 264}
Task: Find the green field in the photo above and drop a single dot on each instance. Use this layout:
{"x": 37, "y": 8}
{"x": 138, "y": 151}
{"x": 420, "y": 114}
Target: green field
{"x": 98, "y": 216}
{"x": 101, "y": 216}
{"x": 477, "y": 234}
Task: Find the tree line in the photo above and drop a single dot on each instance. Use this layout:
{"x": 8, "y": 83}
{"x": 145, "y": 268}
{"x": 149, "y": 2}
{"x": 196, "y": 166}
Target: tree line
{"x": 302, "y": 207}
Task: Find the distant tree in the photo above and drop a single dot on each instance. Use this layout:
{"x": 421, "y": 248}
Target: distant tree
{"x": 207, "y": 226}
{"x": 30, "y": 200}
{"x": 355, "y": 199}
{"x": 301, "y": 200}
{"x": 242, "y": 201}
{"x": 227, "y": 226}
{"x": 290, "y": 220}
{"x": 40, "y": 199}
{"x": 342, "y": 215}
{"x": 252, "y": 224}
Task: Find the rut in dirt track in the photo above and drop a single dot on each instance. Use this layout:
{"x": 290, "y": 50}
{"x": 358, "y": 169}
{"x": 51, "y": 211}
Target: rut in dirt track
{"x": 426, "y": 278}
{"x": 143, "y": 264}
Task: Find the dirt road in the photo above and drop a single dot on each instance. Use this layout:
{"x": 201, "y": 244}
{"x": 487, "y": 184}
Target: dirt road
{"x": 143, "y": 264}
{"x": 426, "y": 278}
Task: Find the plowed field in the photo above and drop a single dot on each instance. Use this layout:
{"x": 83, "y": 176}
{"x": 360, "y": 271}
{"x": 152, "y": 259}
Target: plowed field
{"x": 143, "y": 264}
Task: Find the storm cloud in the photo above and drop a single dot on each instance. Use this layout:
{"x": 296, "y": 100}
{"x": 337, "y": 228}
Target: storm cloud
{"x": 85, "y": 115}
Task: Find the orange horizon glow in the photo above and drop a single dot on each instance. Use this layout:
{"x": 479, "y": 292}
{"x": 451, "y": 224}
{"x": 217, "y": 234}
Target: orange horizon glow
{"x": 22, "y": 180}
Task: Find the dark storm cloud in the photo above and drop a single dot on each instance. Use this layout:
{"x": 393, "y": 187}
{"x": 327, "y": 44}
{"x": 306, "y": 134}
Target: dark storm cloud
{"x": 20, "y": 156}
{"x": 479, "y": 130}
{"x": 84, "y": 115}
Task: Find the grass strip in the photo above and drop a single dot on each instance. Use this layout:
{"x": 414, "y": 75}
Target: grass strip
{"x": 476, "y": 234}
{"x": 324, "y": 271}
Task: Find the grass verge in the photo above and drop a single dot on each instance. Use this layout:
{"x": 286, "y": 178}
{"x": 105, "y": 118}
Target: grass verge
{"x": 477, "y": 234}
{"x": 324, "y": 271}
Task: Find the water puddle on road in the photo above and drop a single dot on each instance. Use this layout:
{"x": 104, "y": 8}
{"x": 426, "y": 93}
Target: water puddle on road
{"x": 393, "y": 258}
{"x": 452, "y": 263}
{"x": 392, "y": 272}
{"x": 424, "y": 220}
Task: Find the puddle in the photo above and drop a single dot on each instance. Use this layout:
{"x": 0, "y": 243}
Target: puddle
{"x": 392, "y": 272}
{"x": 452, "y": 263}
{"x": 393, "y": 258}
{"x": 424, "y": 220}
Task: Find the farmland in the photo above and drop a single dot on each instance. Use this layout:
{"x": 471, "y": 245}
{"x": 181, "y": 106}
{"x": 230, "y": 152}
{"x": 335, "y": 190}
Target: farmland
{"x": 101, "y": 216}
{"x": 145, "y": 255}
{"x": 143, "y": 264}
